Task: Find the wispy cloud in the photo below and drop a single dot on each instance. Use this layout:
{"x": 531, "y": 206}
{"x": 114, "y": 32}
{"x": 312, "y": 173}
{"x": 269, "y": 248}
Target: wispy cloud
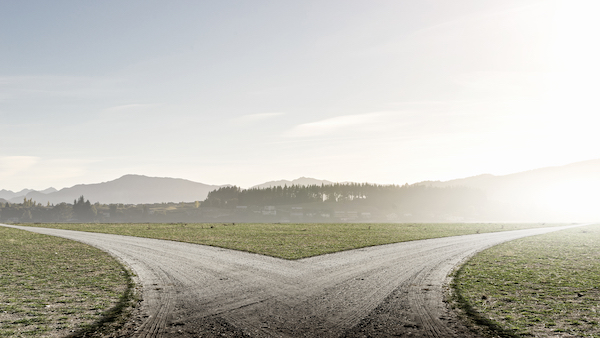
{"x": 257, "y": 117}
{"x": 127, "y": 107}
{"x": 123, "y": 115}
{"x": 20, "y": 172}
{"x": 508, "y": 83}
{"x": 10, "y": 165}
{"x": 57, "y": 86}
{"x": 375, "y": 121}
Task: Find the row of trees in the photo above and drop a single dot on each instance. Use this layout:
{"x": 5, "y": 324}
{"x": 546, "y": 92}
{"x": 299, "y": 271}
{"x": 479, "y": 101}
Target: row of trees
{"x": 27, "y": 212}
{"x": 406, "y": 197}
{"x": 81, "y": 210}
{"x": 294, "y": 194}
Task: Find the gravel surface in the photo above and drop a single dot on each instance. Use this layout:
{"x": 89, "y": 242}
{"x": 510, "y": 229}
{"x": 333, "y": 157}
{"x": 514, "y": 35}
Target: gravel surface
{"x": 393, "y": 290}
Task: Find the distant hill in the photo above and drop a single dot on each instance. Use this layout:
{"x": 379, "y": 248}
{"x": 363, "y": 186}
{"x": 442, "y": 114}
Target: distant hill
{"x": 299, "y": 181}
{"x": 129, "y": 189}
{"x": 8, "y": 194}
{"x": 570, "y": 190}
{"x": 48, "y": 191}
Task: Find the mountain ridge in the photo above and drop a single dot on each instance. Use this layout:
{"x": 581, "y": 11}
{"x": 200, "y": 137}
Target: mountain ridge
{"x": 531, "y": 187}
{"x": 129, "y": 189}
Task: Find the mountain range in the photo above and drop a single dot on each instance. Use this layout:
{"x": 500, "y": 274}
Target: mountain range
{"x": 128, "y": 189}
{"x": 7, "y": 194}
{"x": 573, "y": 187}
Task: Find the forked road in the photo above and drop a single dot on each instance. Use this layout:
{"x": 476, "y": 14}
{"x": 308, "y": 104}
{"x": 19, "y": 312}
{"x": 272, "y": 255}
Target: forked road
{"x": 389, "y": 290}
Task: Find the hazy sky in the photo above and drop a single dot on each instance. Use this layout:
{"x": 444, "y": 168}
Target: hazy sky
{"x": 243, "y": 92}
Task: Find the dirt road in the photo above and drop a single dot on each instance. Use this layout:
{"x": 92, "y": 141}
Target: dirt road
{"x": 390, "y": 290}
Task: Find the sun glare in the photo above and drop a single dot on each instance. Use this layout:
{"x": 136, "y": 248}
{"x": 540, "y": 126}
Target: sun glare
{"x": 571, "y": 199}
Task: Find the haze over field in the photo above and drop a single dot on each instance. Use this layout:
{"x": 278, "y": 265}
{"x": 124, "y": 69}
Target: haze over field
{"x": 565, "y": 193}
{"x": 239, "y": 92}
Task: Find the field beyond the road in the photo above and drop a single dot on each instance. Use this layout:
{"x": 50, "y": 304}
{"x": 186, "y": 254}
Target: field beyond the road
{"x": 541, "y": 286}
{"x": 291, "y": 240}
{"x": 52, "y": 287}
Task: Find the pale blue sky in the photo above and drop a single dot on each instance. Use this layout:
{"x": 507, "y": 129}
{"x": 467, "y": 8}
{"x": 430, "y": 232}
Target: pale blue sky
{"x": 244, "y": 92}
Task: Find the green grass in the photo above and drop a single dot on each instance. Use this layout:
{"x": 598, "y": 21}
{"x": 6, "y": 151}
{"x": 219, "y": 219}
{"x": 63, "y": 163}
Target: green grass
{"x": 293, "y": 241}
{"x": 51, "y": 286}
{"x": 542, "y": 286}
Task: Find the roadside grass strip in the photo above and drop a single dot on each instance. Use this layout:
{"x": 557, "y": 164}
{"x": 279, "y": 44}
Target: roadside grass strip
{"x": 54, "y": 287}
{"x": 293, "y": 240}
{"x": 541, "y": 286}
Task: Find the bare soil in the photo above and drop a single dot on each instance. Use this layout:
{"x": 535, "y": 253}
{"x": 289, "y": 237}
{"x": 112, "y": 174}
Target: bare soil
{"x": 394, "y": 290}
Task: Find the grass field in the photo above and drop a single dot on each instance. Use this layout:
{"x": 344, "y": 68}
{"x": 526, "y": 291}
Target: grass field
{"x": 52, "y": 287}
{"x": 293, "y": 241}
{"x": 541, "y": 286}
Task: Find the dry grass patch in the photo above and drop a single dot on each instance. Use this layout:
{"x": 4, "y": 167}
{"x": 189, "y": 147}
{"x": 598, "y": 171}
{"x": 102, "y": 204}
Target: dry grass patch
{"x": 52, "y": 287}
{"x": 541, "y": 286}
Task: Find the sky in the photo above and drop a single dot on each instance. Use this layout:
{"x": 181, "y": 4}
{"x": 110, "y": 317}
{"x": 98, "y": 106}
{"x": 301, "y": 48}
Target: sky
{"x": 244, "y": 92}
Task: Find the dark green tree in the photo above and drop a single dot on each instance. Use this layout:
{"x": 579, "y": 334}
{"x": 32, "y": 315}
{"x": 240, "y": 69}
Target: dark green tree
{"x": 83, "y": 210}
{"x": 112, "y": 209}
{"x": 62, "y": 212}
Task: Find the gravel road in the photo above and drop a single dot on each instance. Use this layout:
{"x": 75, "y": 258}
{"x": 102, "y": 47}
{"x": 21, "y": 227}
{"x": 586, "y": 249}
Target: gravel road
{"x": 390, "y": 290}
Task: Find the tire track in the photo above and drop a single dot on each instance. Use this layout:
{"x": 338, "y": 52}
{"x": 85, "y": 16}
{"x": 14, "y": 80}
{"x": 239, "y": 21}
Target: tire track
{"x": 194, "y": 290}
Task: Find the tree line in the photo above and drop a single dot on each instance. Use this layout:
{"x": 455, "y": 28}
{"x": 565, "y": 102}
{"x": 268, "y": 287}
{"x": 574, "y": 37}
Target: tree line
{"x": 30, "y": 210}
{"x": 403, "y": 197}
{"x": 82, "y": 211}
